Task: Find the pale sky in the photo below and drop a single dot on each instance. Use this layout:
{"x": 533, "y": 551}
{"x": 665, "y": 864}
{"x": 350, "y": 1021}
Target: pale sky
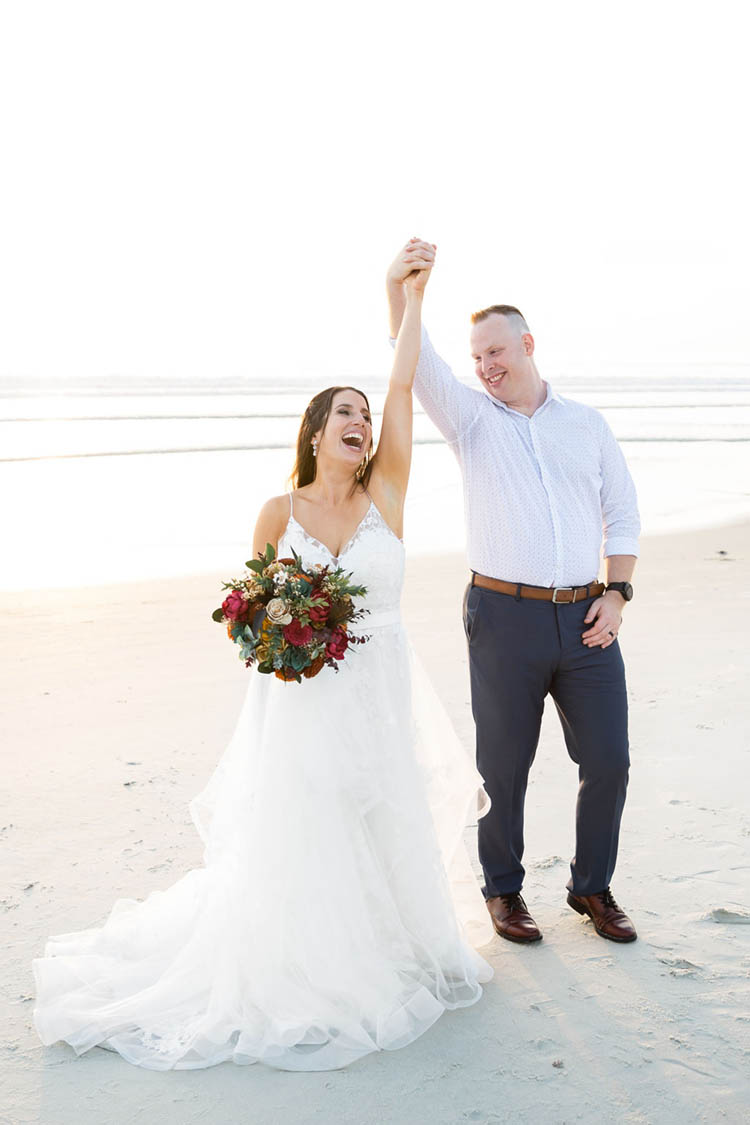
{"x": 216, "y": 189}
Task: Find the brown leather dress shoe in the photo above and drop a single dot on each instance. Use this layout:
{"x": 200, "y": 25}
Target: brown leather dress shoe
{"x": 512, "y": 920}
{"x": 609, "y": 921}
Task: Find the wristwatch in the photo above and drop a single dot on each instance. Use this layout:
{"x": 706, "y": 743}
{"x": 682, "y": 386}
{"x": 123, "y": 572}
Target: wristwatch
{"x": 623, "y": 588}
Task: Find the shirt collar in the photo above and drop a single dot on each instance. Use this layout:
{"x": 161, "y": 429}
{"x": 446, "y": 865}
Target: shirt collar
{"x": 551, "y": 396}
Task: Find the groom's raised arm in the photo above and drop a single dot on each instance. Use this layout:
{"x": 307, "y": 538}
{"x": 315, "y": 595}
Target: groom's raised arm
{"x": 451, "y": 405}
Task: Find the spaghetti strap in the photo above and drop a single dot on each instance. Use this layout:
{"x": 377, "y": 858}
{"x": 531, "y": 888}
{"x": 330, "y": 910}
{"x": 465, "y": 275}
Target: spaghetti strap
{"x": 291, "y": 507}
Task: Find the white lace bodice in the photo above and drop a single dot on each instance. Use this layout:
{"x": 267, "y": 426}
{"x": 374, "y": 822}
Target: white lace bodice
{"x": 374, "y": 555}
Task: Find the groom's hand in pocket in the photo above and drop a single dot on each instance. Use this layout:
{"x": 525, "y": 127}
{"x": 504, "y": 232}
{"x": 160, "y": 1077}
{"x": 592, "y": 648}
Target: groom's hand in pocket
{"x": 605, "y": 619}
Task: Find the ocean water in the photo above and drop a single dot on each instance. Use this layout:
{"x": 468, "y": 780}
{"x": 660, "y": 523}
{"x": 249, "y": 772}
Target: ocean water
{"x": 129, "y": 480}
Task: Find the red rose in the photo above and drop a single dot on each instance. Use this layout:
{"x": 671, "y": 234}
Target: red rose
{"x": 319, "y": 613}
{"x": 296, "y": 633}
{"x": 235, "y": 607}
{"x": 338, "y": 644}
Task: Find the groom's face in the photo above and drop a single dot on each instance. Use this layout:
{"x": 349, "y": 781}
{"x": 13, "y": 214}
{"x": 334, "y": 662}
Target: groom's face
{"x": 501, "y": 354}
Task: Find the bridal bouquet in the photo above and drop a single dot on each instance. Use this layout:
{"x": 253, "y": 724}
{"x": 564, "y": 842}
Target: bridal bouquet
{"x": 288, "y": 618}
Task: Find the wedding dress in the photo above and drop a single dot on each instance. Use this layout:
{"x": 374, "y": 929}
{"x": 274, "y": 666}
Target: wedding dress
{"x": 336, "y": 912}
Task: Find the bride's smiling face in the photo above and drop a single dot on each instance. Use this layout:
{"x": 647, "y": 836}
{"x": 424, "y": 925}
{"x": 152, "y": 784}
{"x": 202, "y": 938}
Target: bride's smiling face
{"x": 348, "y": 432}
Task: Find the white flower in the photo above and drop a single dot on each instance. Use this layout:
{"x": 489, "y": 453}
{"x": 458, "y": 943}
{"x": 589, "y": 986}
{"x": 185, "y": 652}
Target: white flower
{"x": 277, "y": 612}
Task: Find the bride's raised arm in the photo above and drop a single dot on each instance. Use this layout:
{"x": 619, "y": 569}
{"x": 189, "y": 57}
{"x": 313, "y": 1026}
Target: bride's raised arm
{"x": 392, "y": 461}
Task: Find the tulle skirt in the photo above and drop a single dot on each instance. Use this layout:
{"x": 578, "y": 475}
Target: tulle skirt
{"x": 336, "y": 912}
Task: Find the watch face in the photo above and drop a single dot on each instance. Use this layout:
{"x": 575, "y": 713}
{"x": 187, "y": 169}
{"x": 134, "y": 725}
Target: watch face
{"x": 627, "y": 591}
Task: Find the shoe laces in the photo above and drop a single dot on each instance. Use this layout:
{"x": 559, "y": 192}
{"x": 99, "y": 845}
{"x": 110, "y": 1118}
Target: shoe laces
{"x": 608, "y": 899}
{"x": 513, "y": 900}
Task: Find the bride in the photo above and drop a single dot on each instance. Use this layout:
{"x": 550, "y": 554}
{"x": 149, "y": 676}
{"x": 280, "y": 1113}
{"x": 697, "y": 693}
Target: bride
{"x": 336, "y": 911}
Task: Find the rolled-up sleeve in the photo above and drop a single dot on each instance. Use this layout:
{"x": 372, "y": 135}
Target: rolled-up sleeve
{"x": 620, "y": 520}
{"x": 451, "y": 405}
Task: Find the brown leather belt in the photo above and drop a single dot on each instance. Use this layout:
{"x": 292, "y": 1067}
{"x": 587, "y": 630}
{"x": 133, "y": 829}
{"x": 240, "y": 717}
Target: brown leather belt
{"x": 560, "y": 595}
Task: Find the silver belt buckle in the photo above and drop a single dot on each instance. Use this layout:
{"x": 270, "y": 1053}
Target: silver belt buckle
{"x": 561, "y": 589}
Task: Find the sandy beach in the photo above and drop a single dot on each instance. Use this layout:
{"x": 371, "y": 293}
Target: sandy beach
{"x": 117, "y": 703}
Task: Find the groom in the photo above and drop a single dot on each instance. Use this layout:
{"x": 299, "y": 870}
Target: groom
{"x": 543, "y": 475}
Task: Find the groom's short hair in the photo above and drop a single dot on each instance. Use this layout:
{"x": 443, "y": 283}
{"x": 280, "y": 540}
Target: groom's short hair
{"x": 510, "y": 312}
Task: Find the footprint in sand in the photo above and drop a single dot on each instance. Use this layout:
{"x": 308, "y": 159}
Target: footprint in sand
{"x": 688, "y": 875}
{"x": 542, "y": 1044}
{"x": 679, "y": 967}
{"x": 728, "y": 917}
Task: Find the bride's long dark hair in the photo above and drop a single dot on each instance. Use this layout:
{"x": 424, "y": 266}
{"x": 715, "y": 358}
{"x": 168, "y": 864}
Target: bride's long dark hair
{"x": 313, "y": 422}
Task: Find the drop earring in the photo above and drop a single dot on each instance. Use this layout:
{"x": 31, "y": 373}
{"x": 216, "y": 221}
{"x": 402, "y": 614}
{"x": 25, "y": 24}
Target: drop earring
{"x": 315, "y": 447}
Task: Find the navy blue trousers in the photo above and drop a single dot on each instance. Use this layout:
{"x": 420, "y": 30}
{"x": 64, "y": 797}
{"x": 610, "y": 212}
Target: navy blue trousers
{"x": 519, "y": 652}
